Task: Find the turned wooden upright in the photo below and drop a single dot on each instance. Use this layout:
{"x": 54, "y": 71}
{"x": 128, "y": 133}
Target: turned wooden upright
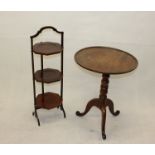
{"x": 104, "y": 60}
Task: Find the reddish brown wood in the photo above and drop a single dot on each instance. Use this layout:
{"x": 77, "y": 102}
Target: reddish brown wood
{"x": 48, "y": 100}
{"x": 106, "y": 60}
{"x": 47, "y": 48}
{"x": 90, "y": 104}
{"x": 49, "y": 75}
{"x": 101, "y": 103}
{"x": 110, "y": 104}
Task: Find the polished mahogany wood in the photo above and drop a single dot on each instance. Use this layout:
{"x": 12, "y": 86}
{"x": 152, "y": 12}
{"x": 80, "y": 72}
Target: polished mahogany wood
{"x": 101, "y": 103}
{"x": 48, "y": 101}
{"x": 107, "y": 61}
{"x": 47, "y": 48}
{"x": 49, "y": 75}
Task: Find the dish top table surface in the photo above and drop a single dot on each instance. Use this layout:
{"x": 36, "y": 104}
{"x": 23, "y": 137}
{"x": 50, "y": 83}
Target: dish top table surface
{"x": 106, "y": 60}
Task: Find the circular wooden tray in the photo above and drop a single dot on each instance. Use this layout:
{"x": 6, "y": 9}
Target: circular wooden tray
{"x": 48, "y": 101}
{"x": 49, "y": 75}
{"x": 47, "y": 48}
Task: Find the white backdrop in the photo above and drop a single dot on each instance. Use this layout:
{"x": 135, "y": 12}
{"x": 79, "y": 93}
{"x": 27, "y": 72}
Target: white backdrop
{"x": 132, "y": 93}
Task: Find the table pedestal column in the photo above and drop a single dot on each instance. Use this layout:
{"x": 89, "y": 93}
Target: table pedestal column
{"x": 101, "y": 103}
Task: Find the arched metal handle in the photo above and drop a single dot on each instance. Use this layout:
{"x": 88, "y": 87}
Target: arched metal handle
{"x": 46, "y": 27}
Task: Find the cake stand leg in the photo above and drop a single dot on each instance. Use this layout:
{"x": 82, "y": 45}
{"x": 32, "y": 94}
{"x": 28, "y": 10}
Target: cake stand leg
{"x": 36, "y": 116}
{"x": 62, "y": 108}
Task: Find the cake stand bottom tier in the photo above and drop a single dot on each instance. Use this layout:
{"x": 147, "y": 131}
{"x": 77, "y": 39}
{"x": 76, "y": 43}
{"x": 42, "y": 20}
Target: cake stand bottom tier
{"x": 48, "y": 100}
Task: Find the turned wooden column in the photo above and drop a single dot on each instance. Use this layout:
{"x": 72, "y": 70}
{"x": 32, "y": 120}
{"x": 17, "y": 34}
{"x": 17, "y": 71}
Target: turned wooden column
{"x": 104, "y": 88}
{"x": 102, "y": 101}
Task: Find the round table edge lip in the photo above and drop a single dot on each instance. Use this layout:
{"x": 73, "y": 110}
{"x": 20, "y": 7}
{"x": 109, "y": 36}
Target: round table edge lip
{"x": 109, "y": 48}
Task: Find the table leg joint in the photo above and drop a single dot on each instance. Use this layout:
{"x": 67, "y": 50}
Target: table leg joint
{"x": 110, "y": 105}
{"x": 91, "y": 103}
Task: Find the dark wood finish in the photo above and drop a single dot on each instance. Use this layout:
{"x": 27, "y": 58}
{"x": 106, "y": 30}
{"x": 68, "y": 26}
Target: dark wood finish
{"x": 42, "y": 75}
{"x": 49, "y": 75}
{"x": 44, "y": 28}
{"x": 101, "y": 103}
{"x": 110, "y": 104}
{"x": 62, "y": 59}
{"x": 107, "y": 61}
{"x": 48, "y": 100}
{"x": 36, "y": 115}
{"x": 34, "y": 87}
{"x": 47, "y": 48}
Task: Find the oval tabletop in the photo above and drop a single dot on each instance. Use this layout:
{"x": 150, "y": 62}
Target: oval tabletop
{"x": 106, "y": 60}
{"x": 47, "y": 48}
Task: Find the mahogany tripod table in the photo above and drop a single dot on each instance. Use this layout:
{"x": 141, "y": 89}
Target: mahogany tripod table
{"x": 107, "y": 61}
